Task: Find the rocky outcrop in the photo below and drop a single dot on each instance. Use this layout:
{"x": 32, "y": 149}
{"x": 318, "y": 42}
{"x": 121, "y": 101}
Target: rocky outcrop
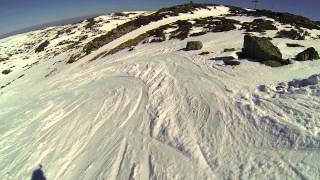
{"x": 293, "y": 34}
{"x": 216, "y": 24}
{"x": 194, "y": 45}
{"x": 258, "y": 25}
{"x": 298, "y": 83}
{"x": 283, "y": 18}
{"x": 42, "y": 46}
{"x": 183, "y": 30}
{"x": 260, "y": 49}
{"x": 308, "y": 54}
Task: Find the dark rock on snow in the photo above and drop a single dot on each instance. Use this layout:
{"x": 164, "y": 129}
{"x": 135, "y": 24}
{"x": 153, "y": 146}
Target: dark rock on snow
{"x": 183, "y": 30}
{"x": 259, "y": 25}
{"x": 308, "y": 54}
{"x": 204, "y": 53}
{"x": 7, "y": 71}
{"x": 3, "y": 59}
{"x": 292, "y": 34}
{"x": 272, "y": 63}
{"x": 294, "y": 45}
{"x": 231, "y": 62}
{"x": 194, "y": 45}
{"x": 260, "y": 49}
{"x": 229, "y": 50}
{"x": 42, "y": 46}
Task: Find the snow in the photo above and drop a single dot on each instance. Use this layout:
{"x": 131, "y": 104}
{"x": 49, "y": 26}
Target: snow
{"x": 196, "y": 30}
{"x": 161, "y": 113}
{"x": 243, "y": 19}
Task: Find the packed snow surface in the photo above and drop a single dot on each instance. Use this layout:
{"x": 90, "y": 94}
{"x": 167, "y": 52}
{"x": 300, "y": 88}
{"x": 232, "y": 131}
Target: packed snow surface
{"x": 161, "y": 113}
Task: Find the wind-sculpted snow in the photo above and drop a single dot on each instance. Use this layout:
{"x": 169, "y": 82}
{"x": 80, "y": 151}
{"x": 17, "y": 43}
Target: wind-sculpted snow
{"x": 158, "y": 112}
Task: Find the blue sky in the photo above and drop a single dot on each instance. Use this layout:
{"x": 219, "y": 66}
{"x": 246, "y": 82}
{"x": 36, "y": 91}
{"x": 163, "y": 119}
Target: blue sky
{"x": 19, "y": 14}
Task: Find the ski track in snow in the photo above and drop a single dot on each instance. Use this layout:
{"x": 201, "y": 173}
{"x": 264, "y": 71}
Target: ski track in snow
{"x": 161, "y": 113}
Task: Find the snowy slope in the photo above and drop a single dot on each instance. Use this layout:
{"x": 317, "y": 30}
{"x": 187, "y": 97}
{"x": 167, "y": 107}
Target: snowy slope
{"x": 158, "y": 112}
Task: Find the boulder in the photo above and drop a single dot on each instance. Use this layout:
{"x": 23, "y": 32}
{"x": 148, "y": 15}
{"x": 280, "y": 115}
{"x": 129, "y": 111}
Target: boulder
{"x": 231, "y": 62}
{"x": 194, "y": 45}
{"x": 260, "y": 49}
{"x": 7, "y": 71}
{"x": 308, "y": 54}
{"x": 294, "y": 45}
{"x": 42, "y": 46}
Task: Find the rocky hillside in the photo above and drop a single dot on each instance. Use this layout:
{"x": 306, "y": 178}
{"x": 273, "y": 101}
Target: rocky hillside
{"x": 194, "y": 91}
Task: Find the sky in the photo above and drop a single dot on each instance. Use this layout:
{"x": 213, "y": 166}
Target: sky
{"x": 19, "y": 14}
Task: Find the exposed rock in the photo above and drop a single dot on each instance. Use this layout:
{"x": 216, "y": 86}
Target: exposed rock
{"x": 128, "y": 44}
{"x": 64, "y": 42}
{"x": 22, "y": 75}
{"x": 294, "y": 45}
{"x": 158, "y": 34}
{"x": 204, "y": 53}
{"x": 312, "y": 80}
{"x": 156, "y": 40}
{"x": 194, "y": 45}
{"x": 42, "y": 46}
{"x": 91, "y": 23}
{"x": 232, "y": 62}
{"x": 223, "y": 25}
{"x": 198, "y": 34}
{"x": 7, "y": 71}
{"x": 119, "y": 31}
{"x": 272, "y": 63}
{"x": 223, "y": 58}
{"x": 215, "y": 24}
{"x": 260, "y": 49}
{"x": 183, "y": 30}
{"x": 292, "y": 34}
{"x": 229, "y": 49}
{"x": 308, "y": 54}
{"x": 264, "y": 88}
{"x": 4, "y": 59}
{"x": 120, "y": 14}
{"x": 184, "y": 8}
{"x": 73, "y": 58}
{"x": 259, "y": 25}
{"x": 82, "y": 38}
